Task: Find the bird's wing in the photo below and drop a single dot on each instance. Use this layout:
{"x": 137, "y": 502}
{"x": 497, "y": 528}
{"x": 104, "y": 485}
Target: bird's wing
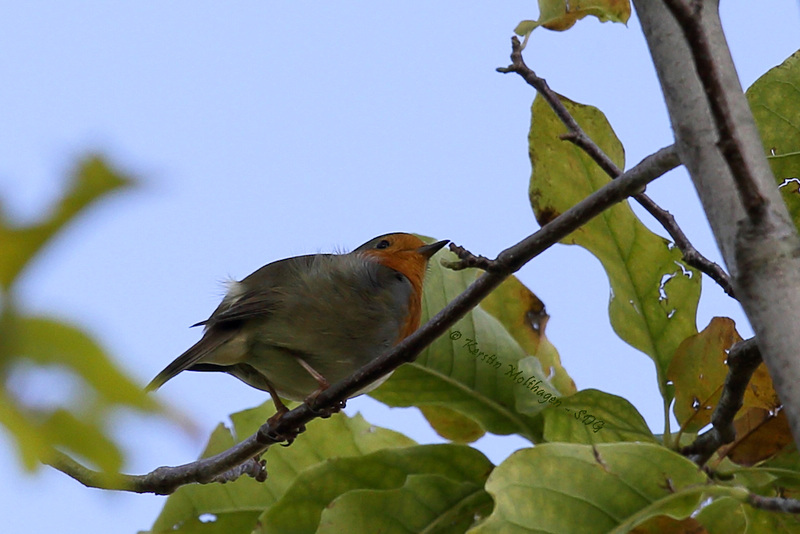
{"x": 210, "y": 342}
{"x": 260, "y": 293}
{"x": 250, "y": 304}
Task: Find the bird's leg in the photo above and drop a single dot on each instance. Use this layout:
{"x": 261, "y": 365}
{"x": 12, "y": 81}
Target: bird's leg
{"x": 275, "y": 419}
{"x": 323, "y": 385}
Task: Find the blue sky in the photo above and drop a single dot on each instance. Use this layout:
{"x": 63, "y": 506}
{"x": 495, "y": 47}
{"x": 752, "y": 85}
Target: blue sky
{"x": 263, "y": 130}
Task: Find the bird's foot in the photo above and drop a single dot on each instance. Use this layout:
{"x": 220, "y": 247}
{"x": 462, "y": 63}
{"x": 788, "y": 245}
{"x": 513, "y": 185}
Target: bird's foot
{"x": 287, "y": 436}
{"x": 323, "y": 412}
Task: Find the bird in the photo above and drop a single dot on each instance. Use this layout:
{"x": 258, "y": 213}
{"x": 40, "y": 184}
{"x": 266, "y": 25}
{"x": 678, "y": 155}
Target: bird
{"x": 297, "y": 325}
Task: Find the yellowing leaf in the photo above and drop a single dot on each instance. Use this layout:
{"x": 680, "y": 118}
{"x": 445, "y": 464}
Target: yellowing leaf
{"x": 524, "y": 316}
{"x": 560, "y": 15}
{"x": 654, "y": 295}
{"x": 452, "y": 425}
{"x": 698, "y": 373}
{"x": 760, "y": 434}
{"x": 760, "y": 392}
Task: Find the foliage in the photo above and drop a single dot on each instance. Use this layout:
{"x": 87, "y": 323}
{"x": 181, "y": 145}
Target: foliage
{"x": 30, "y": 344}
{"x": 596, "y": 466}
{"x": 593, "y": 464}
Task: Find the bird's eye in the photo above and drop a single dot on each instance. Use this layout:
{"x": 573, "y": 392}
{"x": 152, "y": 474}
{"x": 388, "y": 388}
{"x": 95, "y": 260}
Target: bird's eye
{"x": 383, "y": 244}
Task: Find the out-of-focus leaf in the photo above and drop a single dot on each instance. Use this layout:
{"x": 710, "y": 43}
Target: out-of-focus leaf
{"x": 775, "y": 102}
{"x": 86, "y": 439}
{"x": 36, "y": 433}
{"x": 31, "y": 443}
{"x": 654, "y": 295}
{"x": 83, "y": 430}
{"x": 241, "y": 502}
{"x": 698, "y": 372}
{"x": 47, "y": 341}
{"x": 609, "y": 487}
{"x": 300, "y": 508}
{"x": 474, "y": 370}
{"x": 559, "y": 15}
{"x": 592, "y": 416}
{"x": 92, "y": 179}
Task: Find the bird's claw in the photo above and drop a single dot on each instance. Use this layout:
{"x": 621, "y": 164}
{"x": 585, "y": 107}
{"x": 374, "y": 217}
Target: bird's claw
{"x": 287, "y": 436}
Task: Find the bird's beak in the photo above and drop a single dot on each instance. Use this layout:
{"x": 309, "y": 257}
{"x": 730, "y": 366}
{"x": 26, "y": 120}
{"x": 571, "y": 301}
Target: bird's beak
{"x": 429, "y": 250}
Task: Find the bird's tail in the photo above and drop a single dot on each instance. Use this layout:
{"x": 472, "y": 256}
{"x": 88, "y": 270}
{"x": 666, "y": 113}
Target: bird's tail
{"x": 193, "y": 355}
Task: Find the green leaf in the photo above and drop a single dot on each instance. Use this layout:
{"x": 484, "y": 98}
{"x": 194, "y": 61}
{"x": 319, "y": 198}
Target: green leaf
{"x": 558, "y": 15}
{"x": 46, "y": 341}
{"x": 31, "y": 443}
{"x": 92, "y": 179}
{"x": 723, "y": 516}
{"x": 569, "y": 488}
{"x": 654, "y": 295}
{"x": 425, "y": 503}
{"x": 769, "y": 522}
{"x": 85, "y": 428}
{"x": 472, "y": 371}
{"x": 524, "y": 316}
{"x": 86, "y": 439}
{"x": 242, "y": 501}
{"x": 452, "y": 425}
{"x": 36, "y": 433}
{"x": 592, "y": 416}
{"x": 301, "y": 507}
{"x": 775, "y": 102}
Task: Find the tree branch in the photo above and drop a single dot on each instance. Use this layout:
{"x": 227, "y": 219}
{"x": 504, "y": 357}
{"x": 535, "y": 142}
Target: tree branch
{"x": 711, "y": 118}
{"x": 576, "y": 135}
{"x": 688, "y": 17}
{"x": 774, "y": 504}
{"x": 743, "y": 359}
{"x": 165, "y": 480}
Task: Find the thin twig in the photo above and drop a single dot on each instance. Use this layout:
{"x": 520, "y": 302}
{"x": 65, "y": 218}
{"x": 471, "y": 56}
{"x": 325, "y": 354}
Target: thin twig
{"x": 689, "y": 17}
{"x": 467, "y": 259}
{"x": 576, "y": 135}
{"x": 165, "y": 480}
{"x": 743, "y": 359}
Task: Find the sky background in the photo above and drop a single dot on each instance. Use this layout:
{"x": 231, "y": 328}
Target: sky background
{"x": 262, "y": 130}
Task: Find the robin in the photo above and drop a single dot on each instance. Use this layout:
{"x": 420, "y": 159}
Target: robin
{"x": 297, "y": 325}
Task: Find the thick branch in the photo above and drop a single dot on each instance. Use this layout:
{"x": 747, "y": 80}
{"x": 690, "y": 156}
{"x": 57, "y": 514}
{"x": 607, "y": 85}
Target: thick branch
{"x": 711, "y": 118}
{"x": 577, "y": 136}
{"x": 165, "y": 480}
{"x": 730, "y": 140}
